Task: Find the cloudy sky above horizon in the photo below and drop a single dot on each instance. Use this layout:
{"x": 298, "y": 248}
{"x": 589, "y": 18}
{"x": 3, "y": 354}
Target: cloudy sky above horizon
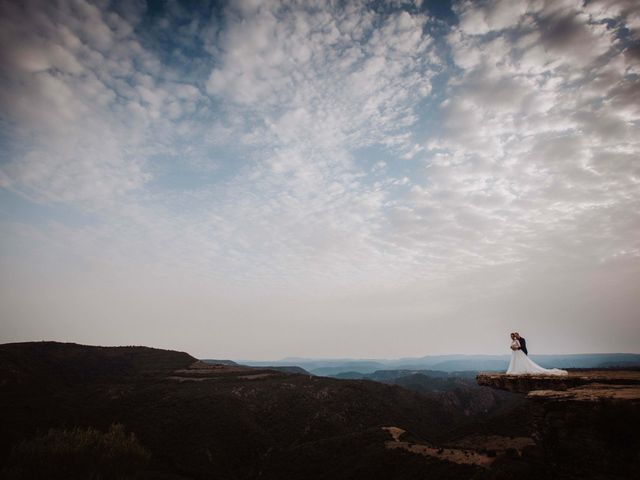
{"x": 258, "y": 180}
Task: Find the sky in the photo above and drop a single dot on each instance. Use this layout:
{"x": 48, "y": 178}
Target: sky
{"x": 261, "y": 179}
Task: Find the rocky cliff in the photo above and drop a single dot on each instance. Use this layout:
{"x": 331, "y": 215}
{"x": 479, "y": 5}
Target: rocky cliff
{"x": 575, "y": 379}
{"x": 586, "y": 424}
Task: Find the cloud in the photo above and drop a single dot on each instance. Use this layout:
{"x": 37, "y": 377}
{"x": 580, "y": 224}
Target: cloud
{"x": 342, "y": 156}
{"x": 359, "y": 80}
{"x": 526, "y": 127}
{"x": 294, "y": 90}
{"x": 308, "y": 87}
{"x": 495, "y": 15}
{"x": 83, "y": 101}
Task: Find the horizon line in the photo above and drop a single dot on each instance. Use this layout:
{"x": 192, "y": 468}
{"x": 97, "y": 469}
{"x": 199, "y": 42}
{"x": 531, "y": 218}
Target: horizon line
{"x": 373, "y": 359}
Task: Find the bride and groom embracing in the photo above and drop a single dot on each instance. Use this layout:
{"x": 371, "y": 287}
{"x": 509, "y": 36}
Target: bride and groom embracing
{"x": 521, "y": 364}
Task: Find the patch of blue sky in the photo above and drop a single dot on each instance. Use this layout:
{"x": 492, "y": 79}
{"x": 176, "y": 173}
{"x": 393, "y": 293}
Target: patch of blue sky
{"x": 174, "y": 32}
{"x": 440, "y": 9}
{"x": 429, "y": 121}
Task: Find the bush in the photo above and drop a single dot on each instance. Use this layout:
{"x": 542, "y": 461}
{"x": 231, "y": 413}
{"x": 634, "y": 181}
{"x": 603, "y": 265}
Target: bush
{"x": 83, "y": 453}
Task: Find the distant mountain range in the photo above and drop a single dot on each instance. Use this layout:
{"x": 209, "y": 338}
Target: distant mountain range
{"x": 279, "y": 368}
{"x": 451, "y": 363}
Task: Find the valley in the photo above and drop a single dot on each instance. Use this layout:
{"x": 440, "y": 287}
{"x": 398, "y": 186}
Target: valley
{"x": 166, "y": 414}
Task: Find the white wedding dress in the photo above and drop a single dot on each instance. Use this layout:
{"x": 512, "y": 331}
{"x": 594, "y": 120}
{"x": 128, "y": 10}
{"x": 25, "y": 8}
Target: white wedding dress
{"x": 521, "y": 364}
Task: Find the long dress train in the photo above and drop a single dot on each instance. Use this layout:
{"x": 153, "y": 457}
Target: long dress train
{"x": 521, "y": 364}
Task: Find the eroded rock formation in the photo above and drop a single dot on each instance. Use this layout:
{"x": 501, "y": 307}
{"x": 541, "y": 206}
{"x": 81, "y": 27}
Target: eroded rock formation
{"x": 587, "y": 424}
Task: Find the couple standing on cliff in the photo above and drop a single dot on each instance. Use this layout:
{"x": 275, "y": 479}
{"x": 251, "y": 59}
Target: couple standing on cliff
{"x": 521, "y": 364}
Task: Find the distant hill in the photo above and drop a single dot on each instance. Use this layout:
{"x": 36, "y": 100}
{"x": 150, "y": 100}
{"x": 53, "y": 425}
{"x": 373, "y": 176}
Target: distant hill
{"x": 458, "y": 389}
{"x": 289, "y": 369}
{"x": 384, "y": 375}
{"x": 219, "y": 362}
{"x": 323, "y": 367}
{"x": 54, "y": 361}
{"x": 620, "y": 364}
{"x": 454, "y": 363}
{"x": 280, "y": 368}
{"x": 350, "y": 375}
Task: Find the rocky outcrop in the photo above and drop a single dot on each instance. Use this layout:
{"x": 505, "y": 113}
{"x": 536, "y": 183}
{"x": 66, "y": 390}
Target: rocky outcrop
{"x": 586, "y": 423}
{"x": 576, "y": 378}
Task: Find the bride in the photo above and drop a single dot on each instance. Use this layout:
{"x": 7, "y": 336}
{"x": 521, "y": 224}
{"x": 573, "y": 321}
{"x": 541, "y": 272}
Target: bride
{"x": 521, "y": 364}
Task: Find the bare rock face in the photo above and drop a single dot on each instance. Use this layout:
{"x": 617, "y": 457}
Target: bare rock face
{"x": 587, "y": 423}
{"x": 576, "y": 378}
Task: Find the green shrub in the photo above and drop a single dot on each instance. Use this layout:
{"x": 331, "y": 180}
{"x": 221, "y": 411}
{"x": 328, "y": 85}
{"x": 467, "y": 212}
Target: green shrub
{"x": 84, "y": 453}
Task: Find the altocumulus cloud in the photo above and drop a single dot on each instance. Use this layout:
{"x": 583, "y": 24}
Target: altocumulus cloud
{"x": 191, "y": 175}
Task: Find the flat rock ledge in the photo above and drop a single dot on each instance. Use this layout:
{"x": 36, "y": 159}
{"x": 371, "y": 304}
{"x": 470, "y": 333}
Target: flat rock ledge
{"x": 584, "y": 424}
{"x": 579, "y": 385}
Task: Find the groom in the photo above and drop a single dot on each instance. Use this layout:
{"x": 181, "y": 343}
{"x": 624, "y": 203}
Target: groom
{"x": 523, "y": 343}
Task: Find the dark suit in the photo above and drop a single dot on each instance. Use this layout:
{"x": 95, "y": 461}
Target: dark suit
{"x": 523, "y": 345}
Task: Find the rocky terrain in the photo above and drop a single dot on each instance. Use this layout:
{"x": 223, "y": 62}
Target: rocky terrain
{"x": 586, "y": 423}
{"x": 66, "y": 408}
{"x": 71, "y": 411}
{"x": 576, "y": 378}
{"x": 458, "y": 390}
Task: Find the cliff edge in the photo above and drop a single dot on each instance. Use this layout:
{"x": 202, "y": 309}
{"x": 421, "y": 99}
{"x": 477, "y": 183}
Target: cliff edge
{"x": 579, "y": 385}
{"x": 586, "y": 423}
